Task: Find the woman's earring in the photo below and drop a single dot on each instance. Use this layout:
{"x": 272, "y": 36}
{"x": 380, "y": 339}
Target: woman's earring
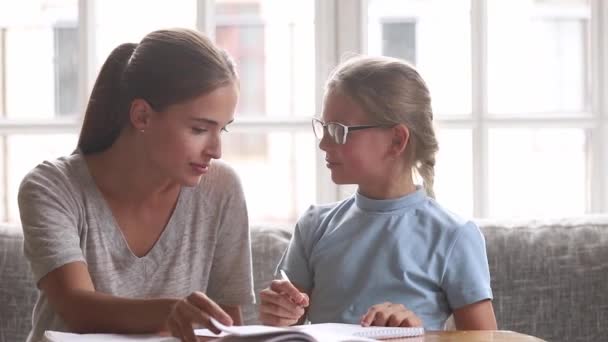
{"x": 142, "y": 130}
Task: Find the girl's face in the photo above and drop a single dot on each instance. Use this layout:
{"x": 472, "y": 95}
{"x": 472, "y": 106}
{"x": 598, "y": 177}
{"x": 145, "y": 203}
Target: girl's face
{"x": 182, "y": 140}
{"x": 363, "y": 159}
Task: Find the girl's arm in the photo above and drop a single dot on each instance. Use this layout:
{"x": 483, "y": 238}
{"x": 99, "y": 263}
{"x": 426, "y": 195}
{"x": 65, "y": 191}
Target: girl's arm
{"x": 476, "y": 316}
{"x": 71, "y": 293}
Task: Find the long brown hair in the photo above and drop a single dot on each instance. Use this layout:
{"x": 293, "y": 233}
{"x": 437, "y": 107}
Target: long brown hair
{"x": 165, "y": 68}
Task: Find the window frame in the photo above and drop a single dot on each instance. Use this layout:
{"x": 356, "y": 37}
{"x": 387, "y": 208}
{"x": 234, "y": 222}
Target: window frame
{"x": 340, "y": 27}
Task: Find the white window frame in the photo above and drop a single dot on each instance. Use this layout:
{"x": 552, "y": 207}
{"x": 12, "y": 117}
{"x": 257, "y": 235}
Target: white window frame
{"x": 340, "y": 27}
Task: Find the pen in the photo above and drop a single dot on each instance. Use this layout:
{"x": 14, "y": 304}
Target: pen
{"x": 284, "y": 275}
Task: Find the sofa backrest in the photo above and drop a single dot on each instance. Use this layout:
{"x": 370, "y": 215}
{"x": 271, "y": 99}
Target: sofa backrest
{"x": 550, "y": 279}
{"x": 17, "y": 291}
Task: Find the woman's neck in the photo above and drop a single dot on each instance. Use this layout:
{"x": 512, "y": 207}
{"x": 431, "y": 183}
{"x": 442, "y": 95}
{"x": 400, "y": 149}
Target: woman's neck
{"x": 121, "y": 173}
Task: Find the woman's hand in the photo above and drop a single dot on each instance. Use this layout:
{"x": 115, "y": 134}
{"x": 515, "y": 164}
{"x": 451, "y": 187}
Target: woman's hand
{"x": 193, "y": 311}
{"x": 390, "y": 315}
{"x": 282, "y": 304}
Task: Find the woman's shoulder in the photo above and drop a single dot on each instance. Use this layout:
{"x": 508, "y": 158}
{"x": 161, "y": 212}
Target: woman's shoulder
{"x": 220, "y": 175}
{"x": 54, "y": 173}
{"x": 220, "y": 184}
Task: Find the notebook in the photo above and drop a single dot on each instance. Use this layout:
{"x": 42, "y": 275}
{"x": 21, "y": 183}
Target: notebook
{"x": 331, "y": 332}
{"x": 57, "y": 336}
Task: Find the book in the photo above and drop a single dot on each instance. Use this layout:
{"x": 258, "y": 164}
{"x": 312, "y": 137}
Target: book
{"x": 331, "y": 332}
{"x": 58, "y": 336}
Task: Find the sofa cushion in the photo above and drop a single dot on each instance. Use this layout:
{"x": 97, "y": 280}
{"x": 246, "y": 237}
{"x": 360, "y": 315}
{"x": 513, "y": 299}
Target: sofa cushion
{"x": 17, "y": 291}
{"x": 550, "y": 278}
{"x": 267, "y": 245}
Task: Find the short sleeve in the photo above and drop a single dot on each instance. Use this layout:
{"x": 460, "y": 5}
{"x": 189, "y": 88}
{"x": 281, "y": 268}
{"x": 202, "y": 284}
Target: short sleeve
{"x": 466, "y": 278}
{"x": 295, "y": 260}
{"x": 231, "y": 279}
{"x": 49, "y": 221}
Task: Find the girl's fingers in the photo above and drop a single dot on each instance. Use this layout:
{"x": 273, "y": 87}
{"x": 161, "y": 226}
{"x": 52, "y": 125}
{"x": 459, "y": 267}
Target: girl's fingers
{"x": 276, "y": 321}
{"x": 389, "y": 314}
{"x": 276, "y": 310}
{"x": 281, "y": 300}
{"x": 287, "y": 288}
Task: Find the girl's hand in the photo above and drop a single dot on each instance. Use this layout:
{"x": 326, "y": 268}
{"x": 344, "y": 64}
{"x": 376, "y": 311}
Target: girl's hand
{"x": 390, "y": 315}
{"x": 194, "y": 311}
{"x": 282, "y": 304}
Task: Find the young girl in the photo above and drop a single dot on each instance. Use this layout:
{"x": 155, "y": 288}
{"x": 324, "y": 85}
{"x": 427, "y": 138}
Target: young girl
{"x": 389, "y": 255}
{"x": 139, "y": 231}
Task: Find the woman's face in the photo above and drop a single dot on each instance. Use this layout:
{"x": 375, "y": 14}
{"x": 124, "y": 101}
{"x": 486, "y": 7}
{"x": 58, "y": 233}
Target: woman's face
{"x": 182, "y": 140}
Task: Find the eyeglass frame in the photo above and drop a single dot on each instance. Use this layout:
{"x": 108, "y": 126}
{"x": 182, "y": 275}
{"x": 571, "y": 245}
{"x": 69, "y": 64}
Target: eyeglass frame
{"x": 346, "y": 129}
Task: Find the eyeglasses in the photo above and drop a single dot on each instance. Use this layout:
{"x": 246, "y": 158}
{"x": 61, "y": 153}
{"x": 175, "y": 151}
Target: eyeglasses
{"x": 337, "y": 131}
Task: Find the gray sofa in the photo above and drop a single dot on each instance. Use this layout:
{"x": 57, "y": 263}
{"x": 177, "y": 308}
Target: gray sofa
{"x": 550, "y": 278}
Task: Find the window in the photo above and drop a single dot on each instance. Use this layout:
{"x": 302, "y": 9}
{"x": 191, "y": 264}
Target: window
{"x": 399, "y": 40}
{"x": 519, "y": 106}
{"x": 272, "y": 146}
{"x": 66, "y": 73}
{"x": 523, "y": 100}
{"x": 38, "y": 81}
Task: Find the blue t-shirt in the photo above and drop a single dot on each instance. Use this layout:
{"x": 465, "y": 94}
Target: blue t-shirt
{"x": 361, "y": 252}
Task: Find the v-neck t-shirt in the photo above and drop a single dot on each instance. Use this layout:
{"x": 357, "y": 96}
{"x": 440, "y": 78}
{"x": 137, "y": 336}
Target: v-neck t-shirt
{"x": 205, "y": 245}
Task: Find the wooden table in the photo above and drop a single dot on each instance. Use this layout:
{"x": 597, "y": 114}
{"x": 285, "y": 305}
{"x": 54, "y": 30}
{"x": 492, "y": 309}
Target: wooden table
{"x": 470, "y": 336}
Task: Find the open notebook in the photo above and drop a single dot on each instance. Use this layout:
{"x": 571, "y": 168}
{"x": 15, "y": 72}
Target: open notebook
{"x": 326, "y": 332}
{"x": 331, "y": 332}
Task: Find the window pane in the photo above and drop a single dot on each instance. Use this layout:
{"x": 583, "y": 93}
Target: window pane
{"x": 118, "y": 21}
{"x": 24, "y": 153}
{"x": 537, "y": 172}
{"x": 538, "y": 56}
{"x": 433, "y": 35}
{"x": 272, "y": 43}
{"x": 454, "y": 171}
{"x": 277, "y": 171}
{"x": 39, "y": 42}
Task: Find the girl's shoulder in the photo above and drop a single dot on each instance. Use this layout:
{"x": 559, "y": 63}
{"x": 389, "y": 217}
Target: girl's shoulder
{"x": 317, "y": 218}
{"x": 438, "y": 217}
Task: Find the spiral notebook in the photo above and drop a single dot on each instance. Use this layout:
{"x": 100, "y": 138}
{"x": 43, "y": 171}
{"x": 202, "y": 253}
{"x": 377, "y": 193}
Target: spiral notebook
{"x": 377, "y": 333}
{"x": 331, "y": 332}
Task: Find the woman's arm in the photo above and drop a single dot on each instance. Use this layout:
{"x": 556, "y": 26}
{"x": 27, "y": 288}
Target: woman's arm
{"x": 70, "y": 291}
{"x": 476, "y": 316}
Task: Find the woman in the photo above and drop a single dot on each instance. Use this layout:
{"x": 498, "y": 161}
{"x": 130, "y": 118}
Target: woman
{"x": 139, "y": 231}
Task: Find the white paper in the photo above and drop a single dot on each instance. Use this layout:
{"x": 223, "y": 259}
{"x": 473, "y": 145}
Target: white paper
{"x": 57, "y": 336}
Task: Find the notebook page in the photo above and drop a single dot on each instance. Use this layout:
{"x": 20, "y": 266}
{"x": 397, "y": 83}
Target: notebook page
{"x": 369, "y": 332}
{"x": 245, "y": 330}
{"x": 57, "y": 336}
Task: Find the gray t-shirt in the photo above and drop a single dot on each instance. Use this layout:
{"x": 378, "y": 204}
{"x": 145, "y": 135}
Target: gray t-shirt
{"x": 204, "y": 247}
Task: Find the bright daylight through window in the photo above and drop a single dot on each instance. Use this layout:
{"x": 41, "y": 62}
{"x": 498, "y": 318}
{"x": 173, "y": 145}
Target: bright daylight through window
{"x": 515, "y": 88}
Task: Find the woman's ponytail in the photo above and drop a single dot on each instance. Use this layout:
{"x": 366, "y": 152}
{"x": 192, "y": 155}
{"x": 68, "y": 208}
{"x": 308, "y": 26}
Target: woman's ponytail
{"x": 104, "y": 117}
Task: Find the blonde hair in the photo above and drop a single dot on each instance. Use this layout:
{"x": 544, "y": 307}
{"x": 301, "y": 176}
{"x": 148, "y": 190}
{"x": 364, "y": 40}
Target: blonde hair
{"x": 391, "y": 91}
